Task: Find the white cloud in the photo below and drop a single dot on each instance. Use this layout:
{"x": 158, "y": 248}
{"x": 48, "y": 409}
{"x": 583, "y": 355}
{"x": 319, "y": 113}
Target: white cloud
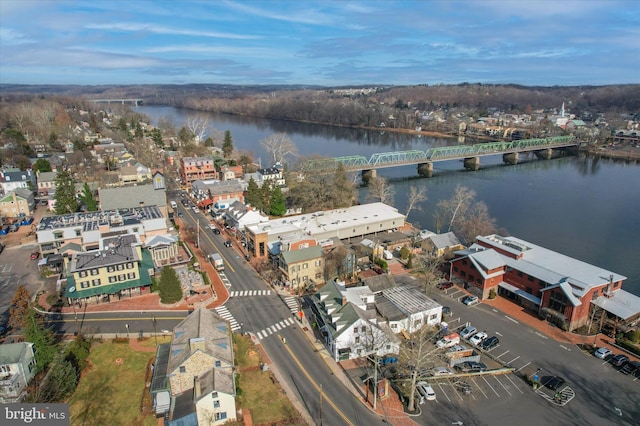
{"x": 158, "y": 29}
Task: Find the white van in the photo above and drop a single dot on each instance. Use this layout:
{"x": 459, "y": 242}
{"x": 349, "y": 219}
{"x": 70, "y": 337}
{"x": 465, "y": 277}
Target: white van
{"x": 174, "y": 205}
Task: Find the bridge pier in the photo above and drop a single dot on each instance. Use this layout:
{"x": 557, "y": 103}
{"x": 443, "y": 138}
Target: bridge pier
{"x": 472, "y": 163}
{"x": 425, "y": 169}
{"x": 545, "y": 153}
{"x": 367, "y": 175}
{"x": 511, "y": 158}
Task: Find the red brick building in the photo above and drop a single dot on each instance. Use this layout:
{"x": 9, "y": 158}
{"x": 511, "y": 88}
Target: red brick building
{"x": 197, "y": 168}
{"x": 554, "y": 286}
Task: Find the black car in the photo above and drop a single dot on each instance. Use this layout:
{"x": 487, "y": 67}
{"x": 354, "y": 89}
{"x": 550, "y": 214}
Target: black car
{"x": 228, "y": 243}
{"x": 554, "y": 383}
{"x": 631, "y": 367}
{"x": 216, "y": 231}
{"x": 446, "y": 310}
{"x": 619, "y": 360}
{"x": 489, "y": 343}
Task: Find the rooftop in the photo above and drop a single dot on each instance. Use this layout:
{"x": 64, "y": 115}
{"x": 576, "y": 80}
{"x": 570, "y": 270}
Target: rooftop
{"x": 92, "y": 221}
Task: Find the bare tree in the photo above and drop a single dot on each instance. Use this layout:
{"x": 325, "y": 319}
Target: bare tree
{"x": 477, "y": 222}
{"x": 279, "y": 146}
{"x": 416, "y": 196}
{"x": 452, "y": 211}
{"x": 417, "y": 355}
{"x": 380, "y": 190}
{"x": 431, "y": 268}
{"x": 197, "y": 125}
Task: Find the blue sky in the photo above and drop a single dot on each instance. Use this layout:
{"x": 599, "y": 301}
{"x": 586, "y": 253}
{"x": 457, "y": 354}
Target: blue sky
{"x": 330, "y": 43}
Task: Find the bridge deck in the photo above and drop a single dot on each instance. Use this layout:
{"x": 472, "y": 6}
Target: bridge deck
{"x": 431, "y": 155}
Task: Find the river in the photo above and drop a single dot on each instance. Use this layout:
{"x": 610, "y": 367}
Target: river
{"x": 584, "y": 208}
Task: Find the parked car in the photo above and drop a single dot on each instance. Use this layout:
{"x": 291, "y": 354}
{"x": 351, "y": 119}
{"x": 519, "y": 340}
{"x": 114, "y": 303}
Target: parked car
{"x": 180, "y": 214}
{"x": 34, "y": 255}
{"x": 471, "y": 367}
{"x": 426, "y": 391}
{"x": 470, "y": 300}
{"x": 463, "y": 387}
{"x": 228, "y": 243}
{"x": 554, "y": 383}
{"x": 477, "y": 338}
{"x": 489, "y": 343}
{"x": 467, "y": 331}
{"x": 458, "y": 348}
{"x": 441, "y": 371}
{"x": 602, "y": 353}
{"x": 216, "y": 231}
{"x": 445, "y": 285}
{"x": 446, "y": 310}
{"x": 619, "y": 360}
{"x": 631, "y": 367}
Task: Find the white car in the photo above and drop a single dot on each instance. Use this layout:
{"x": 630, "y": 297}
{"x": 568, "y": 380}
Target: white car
{"x": 477, "y": 338}
{"x": 470, "y": 300}
{"x": 426, "y": 391}
{"x": 441, "y": 371}
{"x": 602, "y": 353}
{"x": 467, "y": 332}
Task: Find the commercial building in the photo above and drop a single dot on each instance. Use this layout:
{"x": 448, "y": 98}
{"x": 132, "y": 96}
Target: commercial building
{"x": 344, "y": 223}
{"x": 554, "y": 286}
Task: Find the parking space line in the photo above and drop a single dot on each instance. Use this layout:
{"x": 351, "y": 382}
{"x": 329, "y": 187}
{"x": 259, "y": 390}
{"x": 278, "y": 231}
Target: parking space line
{"x": 479, "y": 388}
{"x": 502, "y": 384}
{"x": 518, "y": 370}
{"x": 445, "y": 394}
{"x": 513, "y": 383}
{"x": 511, "y": 362}
{"x": 489, "y": 384}
{"x": 504, "y": 353}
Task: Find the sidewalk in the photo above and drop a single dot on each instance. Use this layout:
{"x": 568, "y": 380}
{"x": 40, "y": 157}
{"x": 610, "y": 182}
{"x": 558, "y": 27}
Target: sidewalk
{"x": 518, "y": 313}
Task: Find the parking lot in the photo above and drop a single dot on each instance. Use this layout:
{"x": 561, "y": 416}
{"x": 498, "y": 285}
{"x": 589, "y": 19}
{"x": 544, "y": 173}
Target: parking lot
{"x": 509, "y": 399}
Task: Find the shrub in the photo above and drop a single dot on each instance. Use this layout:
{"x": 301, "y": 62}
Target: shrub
{"x": 633, "y": 336}
{"x": 492, "y": 293}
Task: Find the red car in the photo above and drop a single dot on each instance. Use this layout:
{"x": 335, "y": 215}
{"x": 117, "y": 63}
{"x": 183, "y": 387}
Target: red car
{"x": 445, "y": 285}
{"x": 35, "y": 255}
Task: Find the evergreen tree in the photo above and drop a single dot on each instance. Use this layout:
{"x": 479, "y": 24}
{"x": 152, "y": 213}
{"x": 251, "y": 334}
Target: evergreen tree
{"x": 19, "y": 310}
{"x": 42, "y": 339}
{"x": 266, "y": 192}
{"x": 42, "y": 165}
{"x": 60, "y": 383}
{"x": 227, "y": 144}
{"x": 169, "y": 286}
{"x": 156, "y": 137}
{"x": 278, "y": 204}
{"x": 87, "y": 198}
{"x": 253, "y": 194}
{"x": 65, "y": 196}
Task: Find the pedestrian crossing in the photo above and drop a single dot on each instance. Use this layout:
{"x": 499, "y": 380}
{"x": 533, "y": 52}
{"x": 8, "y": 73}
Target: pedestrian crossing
{"x": 224, "y": 279}
{"x": 275, "y": 328}
{"x": 241, "y": 293}
{"x": 292, "y": 303}
{"x": 226, "y": 315}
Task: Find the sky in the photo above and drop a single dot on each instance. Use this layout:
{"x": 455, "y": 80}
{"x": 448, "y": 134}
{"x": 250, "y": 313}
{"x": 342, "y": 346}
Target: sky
{"x": 328, "y": 43}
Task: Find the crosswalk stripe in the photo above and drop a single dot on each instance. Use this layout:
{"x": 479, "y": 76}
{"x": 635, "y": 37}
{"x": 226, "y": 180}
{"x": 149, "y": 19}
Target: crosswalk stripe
{"x": 241, "y": 293}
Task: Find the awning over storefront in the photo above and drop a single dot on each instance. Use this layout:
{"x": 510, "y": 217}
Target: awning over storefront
{"x": 515, "y": 290}
{"x": 620, "y": 303}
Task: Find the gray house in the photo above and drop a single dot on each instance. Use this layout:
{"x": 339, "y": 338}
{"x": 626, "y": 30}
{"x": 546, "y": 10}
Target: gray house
{"x": 17, "y": 368}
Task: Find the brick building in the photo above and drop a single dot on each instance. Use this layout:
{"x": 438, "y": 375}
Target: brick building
{"x": 554, "y": 286}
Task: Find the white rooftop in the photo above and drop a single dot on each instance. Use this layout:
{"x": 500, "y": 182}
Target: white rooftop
{"x": 330, "y": 221}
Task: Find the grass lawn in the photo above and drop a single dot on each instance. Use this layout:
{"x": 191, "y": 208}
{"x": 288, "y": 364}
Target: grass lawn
{"x": 111, "y": 390}
{"x": 258, "y": 390}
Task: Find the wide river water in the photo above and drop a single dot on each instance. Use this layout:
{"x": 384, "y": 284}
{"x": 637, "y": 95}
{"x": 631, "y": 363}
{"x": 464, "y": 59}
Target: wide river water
{"x": 584, "y": 208}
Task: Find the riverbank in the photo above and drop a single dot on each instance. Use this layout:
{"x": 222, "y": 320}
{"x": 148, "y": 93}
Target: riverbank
{"x": 630, "y": 154}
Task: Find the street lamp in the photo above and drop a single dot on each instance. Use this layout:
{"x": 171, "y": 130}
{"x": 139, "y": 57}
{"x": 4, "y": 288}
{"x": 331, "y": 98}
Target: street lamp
{"x": 155, "y": 332}
{"x": 127, "y": 327}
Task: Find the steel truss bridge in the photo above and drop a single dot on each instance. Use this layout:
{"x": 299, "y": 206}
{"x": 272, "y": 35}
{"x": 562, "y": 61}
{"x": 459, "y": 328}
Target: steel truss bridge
{"x": 382, "y": 160}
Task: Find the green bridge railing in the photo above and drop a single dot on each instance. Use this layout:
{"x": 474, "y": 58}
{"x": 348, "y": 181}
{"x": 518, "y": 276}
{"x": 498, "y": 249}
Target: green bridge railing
{"x": 390, "y": 159}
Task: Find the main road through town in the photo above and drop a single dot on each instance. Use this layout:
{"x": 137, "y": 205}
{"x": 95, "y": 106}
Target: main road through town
{"x": 306, "y": 373}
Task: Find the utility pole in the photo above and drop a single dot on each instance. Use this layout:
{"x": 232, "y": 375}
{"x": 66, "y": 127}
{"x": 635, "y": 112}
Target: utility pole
{"x": 198, "y": 233}
{"x": 155, "y": 332}
{"x": 375, "y": 381}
